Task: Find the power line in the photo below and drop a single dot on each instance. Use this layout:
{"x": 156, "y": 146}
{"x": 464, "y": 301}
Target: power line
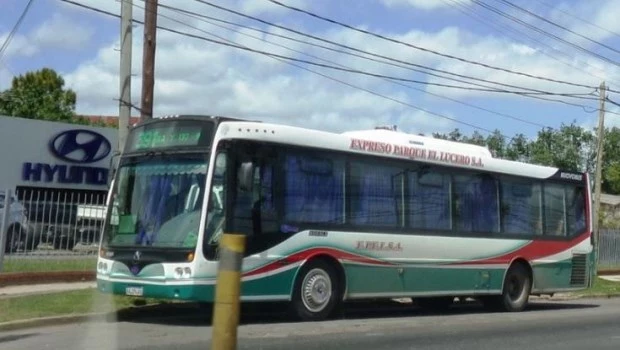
{"x": 415, "y": 46}
{"x": 492, "y": 23}
{"x": 524, "y": 10}
{"x": 543, "y": 32}
{"x": 6, "y": 43}
{"x": 371, "y": 54}
{"x": 279, "y": 58}
{"x": 318, "y": 73}
{"x": 326, "y": 60}
{"x": 578, "y": 18}
{"x": 321, "y": 74}
{"x": 376, "y": 75}
{"x": 401, "y": 65}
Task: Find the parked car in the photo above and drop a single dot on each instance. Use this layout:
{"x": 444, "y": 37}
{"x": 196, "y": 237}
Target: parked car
{"x": 19, "y": 233}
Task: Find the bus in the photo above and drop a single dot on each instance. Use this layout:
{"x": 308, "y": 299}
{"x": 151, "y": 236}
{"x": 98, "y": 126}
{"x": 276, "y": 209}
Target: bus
{"x": 335, "y": 217}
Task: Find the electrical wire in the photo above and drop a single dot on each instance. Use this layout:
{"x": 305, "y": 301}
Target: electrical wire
{"x": 326, "y": 60}
{"x": 301, "y": 67}
{"x": 371, "y": 54}
{"x": 410, "y": 45}
{"x": 8, "y": 39}
{"x": 492, "y": 23}
{"x": 543, "y": 32}
{"x": 578, "y": 18}
{"x": 524, "y": 10}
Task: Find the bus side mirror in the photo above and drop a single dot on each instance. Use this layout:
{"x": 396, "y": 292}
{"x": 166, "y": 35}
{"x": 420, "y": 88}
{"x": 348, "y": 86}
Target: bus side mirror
{"x": 246, "y": 176}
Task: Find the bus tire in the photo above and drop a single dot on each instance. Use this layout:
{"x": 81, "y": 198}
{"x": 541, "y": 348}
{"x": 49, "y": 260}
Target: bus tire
{"x": 516, "y": 291}
{"x": 316, "y": 293}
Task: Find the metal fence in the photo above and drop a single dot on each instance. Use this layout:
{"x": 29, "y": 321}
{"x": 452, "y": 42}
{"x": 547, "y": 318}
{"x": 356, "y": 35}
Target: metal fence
{"x": 47, "y": 230}
{"x": 609, "y": 249}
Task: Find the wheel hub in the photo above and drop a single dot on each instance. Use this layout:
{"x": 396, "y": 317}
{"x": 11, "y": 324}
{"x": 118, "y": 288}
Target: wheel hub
{"x": 316, "y": 290}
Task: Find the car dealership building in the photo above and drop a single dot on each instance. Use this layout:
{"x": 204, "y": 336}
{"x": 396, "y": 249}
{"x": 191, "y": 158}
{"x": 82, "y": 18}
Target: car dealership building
{"x": 55, "y": 160}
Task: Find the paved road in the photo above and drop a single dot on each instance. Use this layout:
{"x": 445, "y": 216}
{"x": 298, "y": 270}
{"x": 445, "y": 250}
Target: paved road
{"x": 593, "y": 324}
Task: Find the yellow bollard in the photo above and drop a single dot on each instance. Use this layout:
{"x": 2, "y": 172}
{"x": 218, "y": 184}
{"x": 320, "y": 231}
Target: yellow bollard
{"x": 227, "y": 291}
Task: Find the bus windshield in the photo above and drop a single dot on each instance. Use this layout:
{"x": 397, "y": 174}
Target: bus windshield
{"x": 157, "y": 202}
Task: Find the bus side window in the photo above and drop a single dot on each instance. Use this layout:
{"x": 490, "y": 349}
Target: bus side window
{"x": 264, "y": 212}
{"x": 555, "y": 223}
{"x": 575, "y": 210}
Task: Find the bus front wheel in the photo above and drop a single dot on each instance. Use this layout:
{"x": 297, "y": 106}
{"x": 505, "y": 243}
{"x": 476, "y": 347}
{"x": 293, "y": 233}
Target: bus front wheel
{"x": 316, "y": 293}
{"x": 516, "y": 291}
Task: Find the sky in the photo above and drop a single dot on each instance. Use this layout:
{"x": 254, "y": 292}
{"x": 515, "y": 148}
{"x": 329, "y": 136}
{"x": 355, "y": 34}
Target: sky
{"x": 193, "y": 76}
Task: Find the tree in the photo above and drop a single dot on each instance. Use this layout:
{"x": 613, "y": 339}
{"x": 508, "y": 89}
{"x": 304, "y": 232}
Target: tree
{"x": 518, "y": 149}
{"x": 39, "y": 95}
{"x": 569, "y": 148}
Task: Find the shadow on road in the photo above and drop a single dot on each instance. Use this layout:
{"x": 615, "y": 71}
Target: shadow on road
{"x": 193, "y": 314}
{"x": 15, "y": 337}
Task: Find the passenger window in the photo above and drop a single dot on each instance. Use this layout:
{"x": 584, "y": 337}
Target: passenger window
{"x": 376, "y": 194}
{"x": 428, "y": 200}
{"x": 521, "y": 207}
{"x": 555, "y": 222}
{"x": 476, "y": 203}
{"x": 575, "y": 210}
{"x": 314, "y": 188}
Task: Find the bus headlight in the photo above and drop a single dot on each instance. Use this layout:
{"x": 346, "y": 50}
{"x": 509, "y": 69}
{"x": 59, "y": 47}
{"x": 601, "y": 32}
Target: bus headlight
{"x": 102, "y": 267}
{"x": 181, "y": 272}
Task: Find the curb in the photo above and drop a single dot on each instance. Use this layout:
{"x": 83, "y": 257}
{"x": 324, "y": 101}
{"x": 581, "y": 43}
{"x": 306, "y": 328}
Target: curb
{"x": 608, "y": 272}
{"x": 133, "y": 312}
{"x": 51, "y": 321}
{"x": 29, "y": 278}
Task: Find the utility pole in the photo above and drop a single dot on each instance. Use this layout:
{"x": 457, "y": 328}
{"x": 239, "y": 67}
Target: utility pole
{"x": 124, "y": 104}
{"x": 599, "y": 165}
{"x": 148, "y": 58}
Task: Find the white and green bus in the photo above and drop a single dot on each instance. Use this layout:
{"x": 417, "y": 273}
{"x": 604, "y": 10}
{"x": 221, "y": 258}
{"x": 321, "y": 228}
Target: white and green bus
{"x": 332, "y": 217}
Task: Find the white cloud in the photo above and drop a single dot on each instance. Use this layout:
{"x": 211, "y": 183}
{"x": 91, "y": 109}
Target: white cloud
{"x": 20, "y": 45}
{"x": 261, "y": 7}
{"x": 61, "y": 32}
{"x": 421, "y": 4}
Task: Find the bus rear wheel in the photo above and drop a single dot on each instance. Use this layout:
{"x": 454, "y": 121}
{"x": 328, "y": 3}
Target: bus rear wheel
{"x": 316, "y": 293}
{"x": 516, "y": 292}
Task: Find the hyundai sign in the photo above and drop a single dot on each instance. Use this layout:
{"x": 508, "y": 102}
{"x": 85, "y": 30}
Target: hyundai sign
{"x": 53, "y": 154}
{"x": 80, "y": 146}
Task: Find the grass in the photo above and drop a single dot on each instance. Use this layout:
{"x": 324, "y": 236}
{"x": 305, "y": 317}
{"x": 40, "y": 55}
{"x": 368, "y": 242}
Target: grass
{"x": 62, "y": 303}
{"x": 601, "y": 287}
{"x": 44, "y": 265}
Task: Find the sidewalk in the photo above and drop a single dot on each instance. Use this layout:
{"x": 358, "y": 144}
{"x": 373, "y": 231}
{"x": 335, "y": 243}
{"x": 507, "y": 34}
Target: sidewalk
{"x": 613, "y": 278}
{"x": 33, "y": 289}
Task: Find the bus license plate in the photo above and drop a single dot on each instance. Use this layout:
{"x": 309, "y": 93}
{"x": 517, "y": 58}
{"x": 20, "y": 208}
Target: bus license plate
{"x": 134, "y": 291}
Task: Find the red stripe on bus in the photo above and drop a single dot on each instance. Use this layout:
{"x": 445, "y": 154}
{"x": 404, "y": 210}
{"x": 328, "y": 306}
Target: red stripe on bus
{"x": 308, "y": 253}
{"x": 532, "y": 251}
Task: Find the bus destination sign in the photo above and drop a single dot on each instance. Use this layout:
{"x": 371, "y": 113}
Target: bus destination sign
{"x": 170, "y": 134}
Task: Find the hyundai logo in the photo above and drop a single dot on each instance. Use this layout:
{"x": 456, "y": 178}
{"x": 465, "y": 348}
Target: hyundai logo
{"x": 80, "y": 146}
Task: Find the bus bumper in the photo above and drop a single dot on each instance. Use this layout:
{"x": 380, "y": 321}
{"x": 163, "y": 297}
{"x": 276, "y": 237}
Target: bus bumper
{"x": 163, "y": 290}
